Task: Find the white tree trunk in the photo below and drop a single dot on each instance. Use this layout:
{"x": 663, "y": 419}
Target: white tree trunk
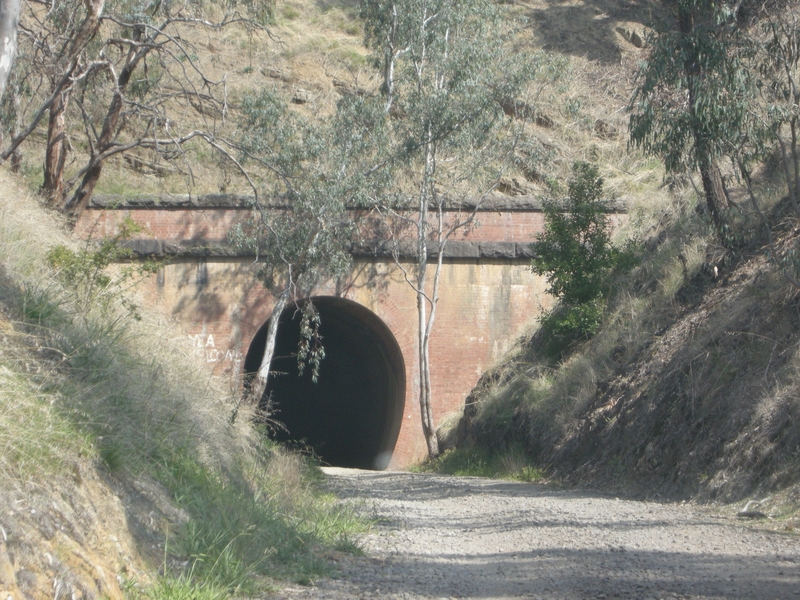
{"x": 9, "y": 20}
{"x": 425, "y": 320}
{"x": 255, "y": 391}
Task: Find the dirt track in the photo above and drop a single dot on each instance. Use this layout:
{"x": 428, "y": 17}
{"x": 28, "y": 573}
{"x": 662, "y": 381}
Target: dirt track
{"x": 457, "y": 537}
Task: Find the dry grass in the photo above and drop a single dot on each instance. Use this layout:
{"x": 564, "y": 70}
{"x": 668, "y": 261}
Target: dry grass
{"x": 312, "y": 44}
{"x": 308, "y": 46}
{"x": 90, "y": 392}
{"x": 132, "y": 394}
{"x": 35, "y": 441}
{"x": 132, "y": 385}
{"x": 691, "y": 388}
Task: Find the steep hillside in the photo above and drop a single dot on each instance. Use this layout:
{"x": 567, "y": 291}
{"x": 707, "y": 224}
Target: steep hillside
{"x": 123, "y": 470}
{"x": 312, "y": 55}
{"x": 690, "y": 390}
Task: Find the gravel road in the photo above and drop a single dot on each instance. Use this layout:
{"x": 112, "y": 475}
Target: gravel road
{"x": 465, "y": 537}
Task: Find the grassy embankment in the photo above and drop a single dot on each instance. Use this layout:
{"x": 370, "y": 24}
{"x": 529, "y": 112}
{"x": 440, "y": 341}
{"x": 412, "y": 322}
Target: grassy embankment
{"x": 690, "y": 390}
{"x": 119, "y": 464}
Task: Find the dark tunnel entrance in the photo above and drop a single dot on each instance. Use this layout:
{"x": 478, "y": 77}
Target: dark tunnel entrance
{"x": 351, "y": 417}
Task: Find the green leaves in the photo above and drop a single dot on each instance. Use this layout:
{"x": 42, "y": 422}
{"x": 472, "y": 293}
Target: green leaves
{"x": 576, "y": 255}
{"x": 695, "y": 89}
{"x": 575, "y": 251}
{"x": 85, "y": 271}
{"x": 446, "y": 69}
{"x": 310, "y": 350}
{"x": 301, "y": 232}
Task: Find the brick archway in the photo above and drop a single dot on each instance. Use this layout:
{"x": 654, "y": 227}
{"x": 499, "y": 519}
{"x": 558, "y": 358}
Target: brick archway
{"x": 489, "y": 295}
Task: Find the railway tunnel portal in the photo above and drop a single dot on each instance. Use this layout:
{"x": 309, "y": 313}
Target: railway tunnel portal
{"x": 364, "y": 411}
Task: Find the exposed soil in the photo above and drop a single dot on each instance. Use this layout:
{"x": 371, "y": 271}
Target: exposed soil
{"x": 698, "y": 399}
{"x": 464, "y": 537}
{"x": 82, "y": 536}
{"x": 706, "y": 408}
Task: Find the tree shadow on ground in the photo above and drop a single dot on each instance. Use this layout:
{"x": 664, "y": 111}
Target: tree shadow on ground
{"x": 581, "y": 573}
{"x": 587, "y": 29}
{"x": 564, "y": 546}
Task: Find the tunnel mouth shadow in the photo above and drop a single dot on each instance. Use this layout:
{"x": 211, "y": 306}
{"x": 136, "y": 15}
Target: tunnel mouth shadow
{"x": 351, "y": 417}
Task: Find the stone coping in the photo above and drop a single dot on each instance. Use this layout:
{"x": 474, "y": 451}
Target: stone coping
{"x": 492, "y": 203}
{"x": 453, "y": 250}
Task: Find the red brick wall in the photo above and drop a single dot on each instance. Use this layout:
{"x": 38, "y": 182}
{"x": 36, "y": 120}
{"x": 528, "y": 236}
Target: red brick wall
{"x": 485, "y": 305}
{"x": 213, "y": 224}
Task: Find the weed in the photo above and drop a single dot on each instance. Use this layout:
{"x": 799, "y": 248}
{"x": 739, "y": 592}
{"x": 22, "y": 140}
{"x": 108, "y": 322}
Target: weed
{"x": 111, "y": 453}
{"x": 184, "y": 588}
{"x": 572, "y": 108}
{"x": 38, "y": 306}
{"x": 515, "y": 465}
{"x": 499, "y": 464}
{"x": 34, "y": 441}
{"x": 530, "y": 474}
{"x": 85, "y": 272}
{"x": 351, "y": 58}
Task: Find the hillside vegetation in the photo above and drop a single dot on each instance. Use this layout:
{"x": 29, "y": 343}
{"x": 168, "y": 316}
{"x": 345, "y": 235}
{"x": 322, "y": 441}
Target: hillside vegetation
{"x": 690, "y": 389}
{"x": 122, "y": 471}
{"x": 311, "y": 54}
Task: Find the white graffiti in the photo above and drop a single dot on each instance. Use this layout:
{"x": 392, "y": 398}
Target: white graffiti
{"x": 204, "y": 348}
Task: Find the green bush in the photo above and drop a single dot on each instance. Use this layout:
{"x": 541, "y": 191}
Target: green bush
{"x": 576, "y": 255}
{"x": 85, "y": 273}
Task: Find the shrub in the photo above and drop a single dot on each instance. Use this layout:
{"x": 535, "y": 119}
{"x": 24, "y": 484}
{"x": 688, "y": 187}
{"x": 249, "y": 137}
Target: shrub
{"x": 576, "y": 255}
{"x": 85, "y": 272}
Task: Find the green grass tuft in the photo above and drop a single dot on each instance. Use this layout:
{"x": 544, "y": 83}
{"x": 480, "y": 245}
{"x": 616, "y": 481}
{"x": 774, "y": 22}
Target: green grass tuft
{"x": 481, "y": 462}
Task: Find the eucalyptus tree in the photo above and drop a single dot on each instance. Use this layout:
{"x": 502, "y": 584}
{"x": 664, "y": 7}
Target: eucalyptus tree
{"x": 9, "y": 20}
{"x": 779, "y": 71}
{"x": 447, "y": 71}
{"x": 723, "y": 83}
{"x": 694, "y": 92}
{"x": 307, "y": 178}
{"x": 114, "y": 76}
{"x": 776, "y": 65}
